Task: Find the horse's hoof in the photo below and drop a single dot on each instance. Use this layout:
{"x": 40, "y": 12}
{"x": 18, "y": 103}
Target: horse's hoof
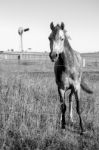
{"x": 71, "y": 124}
{"x": 81, "y": 132}
{"x": 63, "y": 126}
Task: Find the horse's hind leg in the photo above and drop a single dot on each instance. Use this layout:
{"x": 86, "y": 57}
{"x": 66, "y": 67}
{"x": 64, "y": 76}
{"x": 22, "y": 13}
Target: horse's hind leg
{"x": 70, "y": 106}
{"x": 77, "y": 96}
{"x": 62, "y": 107}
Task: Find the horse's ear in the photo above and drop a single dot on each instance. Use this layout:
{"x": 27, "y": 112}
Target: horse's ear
{"x": 52, "y": 26}
{"x": 62, "y": 26}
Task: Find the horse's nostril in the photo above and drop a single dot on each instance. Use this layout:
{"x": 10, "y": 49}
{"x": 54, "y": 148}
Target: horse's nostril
{"x": 56, "y": 55}
{"x": 53, "y": 55}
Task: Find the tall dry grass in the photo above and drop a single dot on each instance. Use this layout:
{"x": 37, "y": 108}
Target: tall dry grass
{"x": 29, "y": 107}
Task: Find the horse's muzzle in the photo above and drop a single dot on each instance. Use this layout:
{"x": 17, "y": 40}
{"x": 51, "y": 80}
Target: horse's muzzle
{"x": 53, "y": 56}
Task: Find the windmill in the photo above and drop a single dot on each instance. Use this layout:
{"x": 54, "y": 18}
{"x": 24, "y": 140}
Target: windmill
{"x": 20, "y": 32}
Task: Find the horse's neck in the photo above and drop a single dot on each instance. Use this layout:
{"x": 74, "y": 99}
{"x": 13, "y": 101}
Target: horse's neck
{"x": 68, "y": 55}
{"x": 67, "y": 44}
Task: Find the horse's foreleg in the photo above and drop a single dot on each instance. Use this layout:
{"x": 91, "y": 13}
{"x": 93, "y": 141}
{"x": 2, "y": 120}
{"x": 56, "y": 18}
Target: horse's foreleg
{"x": 77, "y": 96}
{"x": 63, "y": 106}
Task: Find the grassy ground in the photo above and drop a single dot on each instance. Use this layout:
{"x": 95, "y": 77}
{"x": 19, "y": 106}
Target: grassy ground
{"x": 29, "y": 107}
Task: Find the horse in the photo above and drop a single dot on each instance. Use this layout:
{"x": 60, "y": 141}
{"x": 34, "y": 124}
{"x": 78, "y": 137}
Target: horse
{"x": 68, "y": 65}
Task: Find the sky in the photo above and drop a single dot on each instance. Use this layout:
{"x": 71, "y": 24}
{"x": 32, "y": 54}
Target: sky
{"x": 81, "y": 19}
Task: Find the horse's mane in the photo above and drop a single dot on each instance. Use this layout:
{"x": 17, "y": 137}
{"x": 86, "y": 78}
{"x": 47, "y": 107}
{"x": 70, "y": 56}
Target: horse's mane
{"x": 69, "y": 53}
{"x": 66, "y": 43}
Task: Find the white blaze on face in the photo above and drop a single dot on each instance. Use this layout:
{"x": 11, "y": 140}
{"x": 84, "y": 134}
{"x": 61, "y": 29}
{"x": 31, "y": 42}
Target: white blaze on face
{"x": 58, "y": 44}
{"x": 61, "y": 34}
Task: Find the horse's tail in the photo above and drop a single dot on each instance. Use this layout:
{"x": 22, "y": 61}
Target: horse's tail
{"x": 85, "y": 87}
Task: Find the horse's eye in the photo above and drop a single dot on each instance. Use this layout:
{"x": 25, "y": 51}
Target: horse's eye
{"x": 49, "y": 38}
{"x": 62, "y": 39}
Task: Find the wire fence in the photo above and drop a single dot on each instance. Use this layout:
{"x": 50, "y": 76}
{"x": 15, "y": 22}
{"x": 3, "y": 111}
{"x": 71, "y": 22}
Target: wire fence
{"x": 41, "y": 62}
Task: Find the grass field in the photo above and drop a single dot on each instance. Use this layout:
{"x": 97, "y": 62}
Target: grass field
{"x": 29, "y": 107}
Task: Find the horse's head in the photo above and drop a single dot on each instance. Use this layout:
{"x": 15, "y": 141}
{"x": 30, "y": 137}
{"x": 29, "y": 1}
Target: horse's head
{"x": 56, "y": 39}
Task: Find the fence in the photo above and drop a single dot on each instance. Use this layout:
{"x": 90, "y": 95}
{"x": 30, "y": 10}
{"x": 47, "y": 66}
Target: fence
{"x": 89, "y": 59}
{"x": 23, "y": 56}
